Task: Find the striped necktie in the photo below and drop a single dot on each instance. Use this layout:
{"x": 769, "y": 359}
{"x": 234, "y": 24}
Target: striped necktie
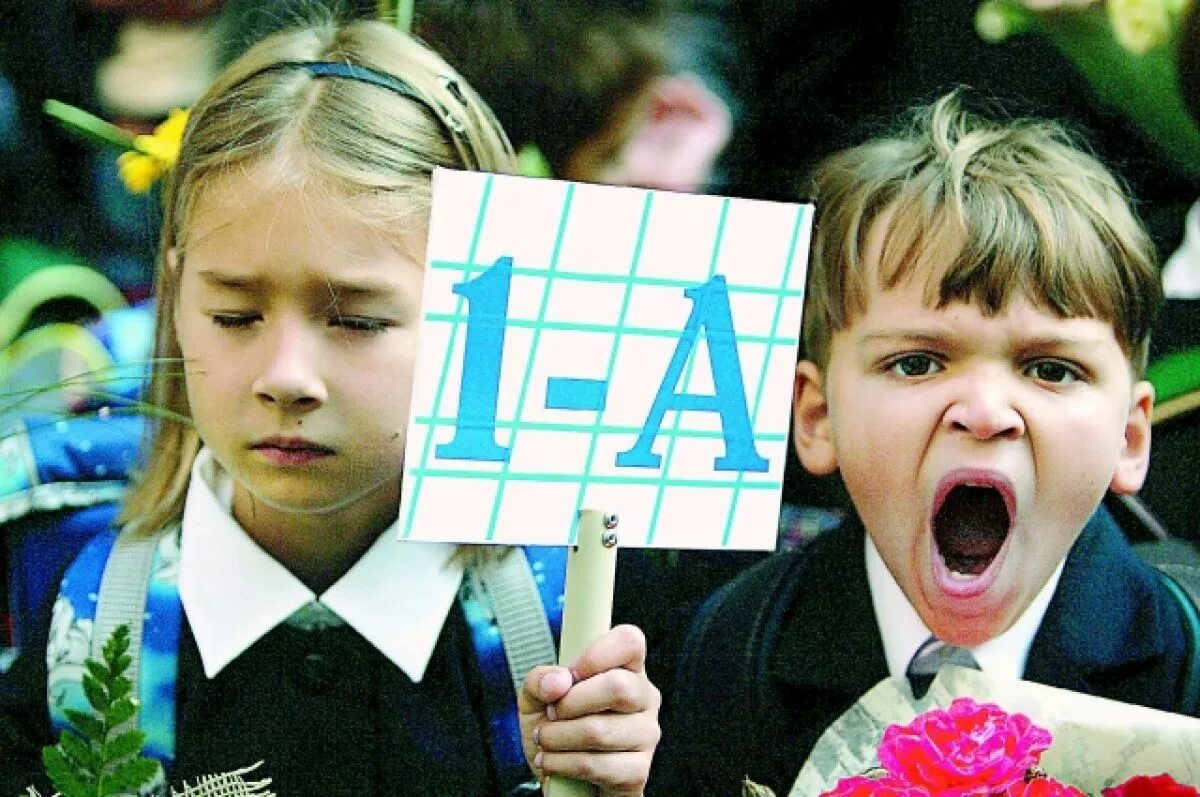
{"x": 931, "y": 657}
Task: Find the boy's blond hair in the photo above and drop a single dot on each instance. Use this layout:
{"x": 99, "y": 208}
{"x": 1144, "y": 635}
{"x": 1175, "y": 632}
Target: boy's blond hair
{"x": 1028, "y": 211}
{"x": 342, "y": 138}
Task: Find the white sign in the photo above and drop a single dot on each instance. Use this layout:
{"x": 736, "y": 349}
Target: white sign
{"x": 595, "y": 347}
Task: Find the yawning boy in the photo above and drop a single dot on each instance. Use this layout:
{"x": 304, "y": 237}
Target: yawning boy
{"x": 979, "y": 306}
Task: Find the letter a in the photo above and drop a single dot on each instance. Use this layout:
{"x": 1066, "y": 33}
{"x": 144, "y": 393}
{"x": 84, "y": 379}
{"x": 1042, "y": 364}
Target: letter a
{"x": 710, "y": 309}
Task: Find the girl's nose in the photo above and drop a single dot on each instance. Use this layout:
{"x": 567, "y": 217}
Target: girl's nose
{"x": 983, "y": 408}
{"x": 288, "y": 376}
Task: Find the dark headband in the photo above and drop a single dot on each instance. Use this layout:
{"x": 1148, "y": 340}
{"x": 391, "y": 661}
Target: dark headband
{"x": 385, "y": 80}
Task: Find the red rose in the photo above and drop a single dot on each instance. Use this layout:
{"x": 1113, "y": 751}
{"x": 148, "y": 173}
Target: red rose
{"x": 1151, "y": 786}
{"x": 863, "y": 786}
{"x": 1042, "y": 787}
{"x": 967, "y": 750}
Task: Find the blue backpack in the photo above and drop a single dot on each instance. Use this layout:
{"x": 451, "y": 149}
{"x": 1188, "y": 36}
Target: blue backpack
{"x": 60, "y": 481}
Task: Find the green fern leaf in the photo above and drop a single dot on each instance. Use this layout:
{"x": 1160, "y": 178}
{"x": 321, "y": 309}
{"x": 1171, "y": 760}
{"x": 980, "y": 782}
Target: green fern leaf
{"x": 82, "y": 754}
{"x": 118, "y": 660}
{"x": 69, "y": 781}
{"x": 119, "y": 712}
{"x": 122, "y": 687}
{"x": 99, "y": 758}
{"x": 130, "y": 774}
{"x": 88, "y": 725}
{"x": 96, "y": 695}
{"x": 95, "y": 669}
{"x": 116, "y": 646}
{"x": 126, "y": 744}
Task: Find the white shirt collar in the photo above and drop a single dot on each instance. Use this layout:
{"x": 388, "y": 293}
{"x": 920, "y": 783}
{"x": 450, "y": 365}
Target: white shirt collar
{"x": 397, "y": 596}
{"x": 903, "y": 631}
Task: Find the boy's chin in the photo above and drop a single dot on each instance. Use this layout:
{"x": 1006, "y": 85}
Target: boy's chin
{"x": 965, "y": 629}
{"x": 967, "y": 636}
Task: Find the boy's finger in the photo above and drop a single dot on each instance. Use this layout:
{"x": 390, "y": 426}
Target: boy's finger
{"x": 623, "y": 646}
{"x": 615, "y": 773}
{"x": 620, "y": 691}
{"x": 600, "y": 733}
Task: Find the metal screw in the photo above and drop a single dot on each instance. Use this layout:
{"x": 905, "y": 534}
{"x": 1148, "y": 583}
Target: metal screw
{"x": 608, "y": 539}
{"x": 610, "y": 521}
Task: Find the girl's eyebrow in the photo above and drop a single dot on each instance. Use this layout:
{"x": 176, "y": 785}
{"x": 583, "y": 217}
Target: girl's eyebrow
{"x": 232, "y": 281}
{"x": 360, "y": 288}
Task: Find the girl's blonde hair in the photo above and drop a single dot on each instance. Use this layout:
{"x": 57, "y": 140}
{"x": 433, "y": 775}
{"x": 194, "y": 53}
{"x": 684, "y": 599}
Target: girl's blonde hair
{"x": 1028, "y": 213}
{"x": 345, "y": 137}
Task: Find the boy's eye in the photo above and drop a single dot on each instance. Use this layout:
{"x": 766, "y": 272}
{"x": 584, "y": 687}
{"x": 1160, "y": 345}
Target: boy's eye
{"x": 1053, "y": 372}
{"x": 357, "y": 323}
{"x": 234, "y": 320}
{"x": 914, "y": 365}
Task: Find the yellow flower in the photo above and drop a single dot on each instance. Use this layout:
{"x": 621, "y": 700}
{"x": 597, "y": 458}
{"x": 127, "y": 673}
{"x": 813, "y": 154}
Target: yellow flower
{"x": 139, "y": 172}
{"x": 152, "y": 154}
{"x": 1139, "y": 25}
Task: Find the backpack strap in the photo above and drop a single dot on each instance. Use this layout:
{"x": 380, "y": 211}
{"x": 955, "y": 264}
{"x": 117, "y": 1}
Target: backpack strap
{"x": 1183, "y": 582}
{"x": 513, "y": 607}
{"x": 121, "y": 579}
{"x": 520, "y": 614}
{"x": 121, "y": 600}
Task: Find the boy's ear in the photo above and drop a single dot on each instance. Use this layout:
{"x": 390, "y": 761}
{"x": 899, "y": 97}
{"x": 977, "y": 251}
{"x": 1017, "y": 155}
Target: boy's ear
{"x": 810, "y": 421}
{"x": 1134, "y": 461}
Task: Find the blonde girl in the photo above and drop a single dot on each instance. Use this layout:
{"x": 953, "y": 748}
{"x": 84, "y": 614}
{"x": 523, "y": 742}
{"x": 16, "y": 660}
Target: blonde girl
{"x": 288, "y": 294}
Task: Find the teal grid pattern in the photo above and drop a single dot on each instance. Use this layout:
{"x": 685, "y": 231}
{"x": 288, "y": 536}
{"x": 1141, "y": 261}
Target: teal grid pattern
{"x": 516, "y": 502}
{"x": 417, "y": 477}
{"x": 687, "y": 382}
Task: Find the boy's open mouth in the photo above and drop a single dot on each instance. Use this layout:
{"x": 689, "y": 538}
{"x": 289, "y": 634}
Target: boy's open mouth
{"x": 970, "y": 528}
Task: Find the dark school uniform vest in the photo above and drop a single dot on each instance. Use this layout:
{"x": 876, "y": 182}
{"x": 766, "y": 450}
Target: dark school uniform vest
{"x": 319, "y": 705}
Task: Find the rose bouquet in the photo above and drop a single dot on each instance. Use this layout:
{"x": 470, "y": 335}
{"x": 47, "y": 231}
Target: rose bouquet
{"x": 975, "y": 749}
{"x": 955, "y": 740}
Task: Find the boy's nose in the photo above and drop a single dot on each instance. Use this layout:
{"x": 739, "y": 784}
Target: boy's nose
{"x": 288, "y": 378}
{"x": 982, "y": 407}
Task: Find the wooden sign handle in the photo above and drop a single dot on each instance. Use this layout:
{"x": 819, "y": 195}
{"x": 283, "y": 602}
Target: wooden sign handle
{"x": 587, "y": 606}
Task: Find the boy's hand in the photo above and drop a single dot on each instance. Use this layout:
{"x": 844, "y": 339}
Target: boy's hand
{"x": 597, "y": 720}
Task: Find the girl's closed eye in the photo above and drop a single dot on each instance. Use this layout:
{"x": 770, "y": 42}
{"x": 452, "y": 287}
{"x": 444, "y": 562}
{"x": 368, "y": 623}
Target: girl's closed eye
{"x": 234, "y": 320}
{"x": 912, "y": 364}
{"x": 367, "y": 325}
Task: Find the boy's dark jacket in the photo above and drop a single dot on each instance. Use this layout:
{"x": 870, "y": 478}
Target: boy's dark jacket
{"x": 1111, "y": 630}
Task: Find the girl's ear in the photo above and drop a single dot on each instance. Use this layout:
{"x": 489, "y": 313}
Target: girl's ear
{"x": 810, "y": 416}
{"x": 1134, "y": 459}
